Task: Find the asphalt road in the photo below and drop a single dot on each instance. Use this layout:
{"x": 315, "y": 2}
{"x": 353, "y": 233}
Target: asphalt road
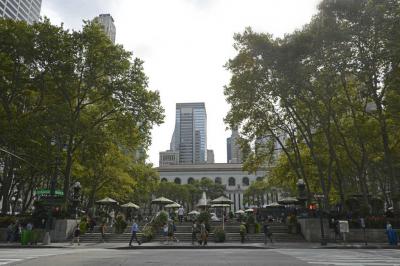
{"x": 276, "y": 257}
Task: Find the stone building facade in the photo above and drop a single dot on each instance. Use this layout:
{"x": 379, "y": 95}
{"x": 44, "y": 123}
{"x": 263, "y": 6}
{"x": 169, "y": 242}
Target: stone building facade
{"x": 235, "y": 180}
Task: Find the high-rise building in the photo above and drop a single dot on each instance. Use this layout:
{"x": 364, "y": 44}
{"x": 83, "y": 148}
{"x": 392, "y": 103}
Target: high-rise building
{"x": 107, "y": 21}
{"x": 190, "y": 134}
{"x": 27, "y": 10}
{"x": 210, "y": 156}
{"x": 234, "y": 153}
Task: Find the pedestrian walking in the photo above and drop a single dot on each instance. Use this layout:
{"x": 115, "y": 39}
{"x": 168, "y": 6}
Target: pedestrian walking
{"x": 134, "y": 230}
{"x": 392, "y": 235}
{"x": 17, "y": 232}
{"x": 10, "y": 232}
{"x": 181, "y": 213}
{"x": 29, "y": 228}
{"x": 76, "y": 235}
{"x": 171, "y": 231}
{"x": 195, "y": 230}
{"x": 242, "y": 230}
{"x": 165, "y": 232}
{"x": 267, "y": 232}
{"x": 336, "y": 228}
{"x": 203, "y": 234}
{"x": 103, "y": 232}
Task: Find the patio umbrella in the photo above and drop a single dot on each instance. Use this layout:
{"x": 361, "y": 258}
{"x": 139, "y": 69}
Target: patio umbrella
{"x": 161, "y": 200}
{"x": 274, "y": 204}
{"x": 173, "y": 205}
{"x": 239, "y": 212}
{"x": 106, "y": 201}
{"x": 194, "y": 213}
{"x": 249, "y": 210}
{"x": 130, "y": 205}
{"x": 220, "y": 205}
{"x": 223, "y": 201}
{"x": 288, "y": 200}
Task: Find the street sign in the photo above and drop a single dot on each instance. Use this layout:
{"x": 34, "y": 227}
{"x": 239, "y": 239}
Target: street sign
{"x": 45, "y": 192}
{"x": 344, "y": 226}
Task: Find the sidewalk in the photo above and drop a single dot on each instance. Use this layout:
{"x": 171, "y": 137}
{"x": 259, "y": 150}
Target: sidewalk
{"x": 211, "y": 245}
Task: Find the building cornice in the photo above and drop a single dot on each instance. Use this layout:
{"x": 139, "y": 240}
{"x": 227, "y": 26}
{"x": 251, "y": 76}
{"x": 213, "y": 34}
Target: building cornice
{"x": 219, "y": 167}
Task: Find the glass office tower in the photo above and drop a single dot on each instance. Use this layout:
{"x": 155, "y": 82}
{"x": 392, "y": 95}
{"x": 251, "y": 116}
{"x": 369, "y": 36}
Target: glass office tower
{"x": 28, "y": 10}
{"x": 190, "y": 134}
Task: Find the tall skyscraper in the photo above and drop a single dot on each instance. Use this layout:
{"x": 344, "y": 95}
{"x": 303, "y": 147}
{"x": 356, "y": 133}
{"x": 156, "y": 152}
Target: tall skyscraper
{"x": 190, "y": 134}
{"x": 107, "y": 21}
{"x": 210, "y": 156}
{"x": 28, "y": 10}
{"x": 234, "y": 153}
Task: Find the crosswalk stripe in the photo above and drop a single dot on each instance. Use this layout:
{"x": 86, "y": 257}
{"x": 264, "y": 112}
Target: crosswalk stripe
{"x": 340, "y": 258}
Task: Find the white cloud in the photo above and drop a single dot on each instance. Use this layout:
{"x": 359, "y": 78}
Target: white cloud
{"x": 185, "y": 44}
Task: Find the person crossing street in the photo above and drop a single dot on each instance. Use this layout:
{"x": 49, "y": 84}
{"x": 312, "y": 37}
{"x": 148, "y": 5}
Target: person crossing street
{"x": 134, "y": 230}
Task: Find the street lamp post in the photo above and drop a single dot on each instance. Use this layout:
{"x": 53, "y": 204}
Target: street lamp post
{"x": 76, "y": 197}
{"x": 319, "y": 200}
{"x": 53, "y": 182}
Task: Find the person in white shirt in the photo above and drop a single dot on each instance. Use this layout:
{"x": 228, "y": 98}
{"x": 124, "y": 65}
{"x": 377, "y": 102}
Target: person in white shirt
{"x": 181, "y": 212}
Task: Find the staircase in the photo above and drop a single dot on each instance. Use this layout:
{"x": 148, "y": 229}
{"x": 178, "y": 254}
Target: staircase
{"x": 280, "y": 233}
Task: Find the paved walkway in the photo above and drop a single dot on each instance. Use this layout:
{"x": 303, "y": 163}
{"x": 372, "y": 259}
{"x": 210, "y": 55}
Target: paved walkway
{"x": 211, "y": 245}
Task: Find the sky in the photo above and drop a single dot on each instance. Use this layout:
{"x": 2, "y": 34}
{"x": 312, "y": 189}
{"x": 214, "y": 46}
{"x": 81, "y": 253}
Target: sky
{"x": 185, "y": 44}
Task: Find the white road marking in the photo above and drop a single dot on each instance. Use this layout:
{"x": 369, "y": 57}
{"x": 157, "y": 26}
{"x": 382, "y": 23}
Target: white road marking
{"x": 345, "y": 257}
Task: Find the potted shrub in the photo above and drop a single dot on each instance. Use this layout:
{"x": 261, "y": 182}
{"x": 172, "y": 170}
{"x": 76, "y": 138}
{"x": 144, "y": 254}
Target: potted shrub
{"x": 292, "y": 224}
{"x": 257, "y": 228}
{"x": 147, "y": 233}
{"x": 251, "y": 224}
{"x": 205, "y": 217}
{"x": 219, "y": 235}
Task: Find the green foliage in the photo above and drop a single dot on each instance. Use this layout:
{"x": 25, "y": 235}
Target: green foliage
{"x": 292, "y": 219}
{"x": 161, "y": 219}
{"x": 250, "y": 219}
{"x": 83, "y": 226}
{"x": 312, "y": 91}
{"x": 148, "y": 233}
{"x": 6, "y": 221}
{"x": 75, "y": 106}
{"x": 120, "y": 224}
{"x": 257, "y": 228}
{"x": 219, "y": 235}
{"x": 204, "y": 217}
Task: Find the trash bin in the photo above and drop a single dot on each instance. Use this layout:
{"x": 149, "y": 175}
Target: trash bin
{"x": 24, "y": 237}
{"x": 29, "y": 236}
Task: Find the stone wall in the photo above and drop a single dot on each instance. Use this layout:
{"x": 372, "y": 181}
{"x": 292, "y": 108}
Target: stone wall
{"x": 63, "y": 229}
{"x": 311, "y": 228}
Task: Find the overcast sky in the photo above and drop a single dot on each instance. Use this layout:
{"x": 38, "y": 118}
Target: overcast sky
{"x": 184, "y": 44}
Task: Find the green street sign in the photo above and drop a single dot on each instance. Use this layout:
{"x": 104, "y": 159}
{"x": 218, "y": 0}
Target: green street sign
{"x": 44, "y": 192}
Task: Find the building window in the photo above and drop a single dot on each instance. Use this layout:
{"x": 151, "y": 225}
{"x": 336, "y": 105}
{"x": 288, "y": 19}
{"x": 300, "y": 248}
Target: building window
{"x": 190, "y": 180}
{"x": 164, "y": 180}
{"x": 177, "y": 180}
{"x": 231, "y": 181}
{"x": 218, "y": 180}
{"x": 259, "y": 178}
{"x": 245, "y": 181}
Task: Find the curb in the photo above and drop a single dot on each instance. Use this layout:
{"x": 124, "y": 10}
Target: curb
{"x": 31, "y": 246}
{"x": 189, "y": 247}
{"x": 361, "y": 247}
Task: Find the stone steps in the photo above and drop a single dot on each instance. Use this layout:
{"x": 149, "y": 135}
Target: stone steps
{"x": 187, "y": 237}
{"x": 187, "y": 228}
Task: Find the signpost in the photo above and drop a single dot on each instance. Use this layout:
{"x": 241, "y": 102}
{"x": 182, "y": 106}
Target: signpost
{"x": 344, "y": 228}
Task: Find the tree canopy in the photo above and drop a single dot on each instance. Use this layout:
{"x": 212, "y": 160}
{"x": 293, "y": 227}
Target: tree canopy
{"x": 72, "y": 105}
{"x": 326, "y": 94}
